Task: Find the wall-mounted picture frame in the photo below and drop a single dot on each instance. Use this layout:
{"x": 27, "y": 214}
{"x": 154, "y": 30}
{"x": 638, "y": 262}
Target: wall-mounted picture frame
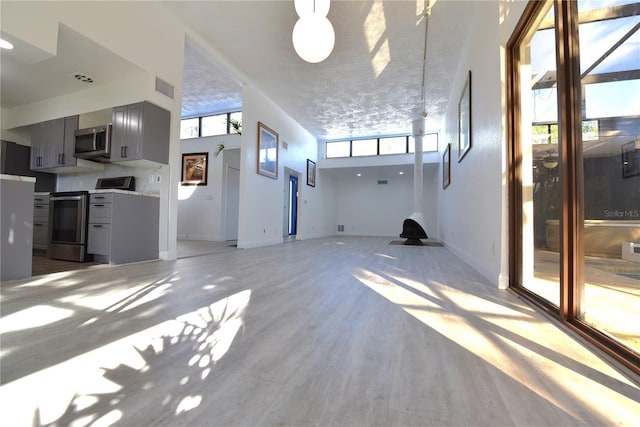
{"x": 311, "y": 173}
{"x": 194, "y": 169}
{"x": 446, "y": 167}
{"x": 464, "y": 119}
{"x": 267, "y": 151}
{"x": 631, "y": 159}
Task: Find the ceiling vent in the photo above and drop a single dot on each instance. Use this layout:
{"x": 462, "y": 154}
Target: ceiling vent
{"x": 382, "y": 182}
{"x": 83, "y": 77}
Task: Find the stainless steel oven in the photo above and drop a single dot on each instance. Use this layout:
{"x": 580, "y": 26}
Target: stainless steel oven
{"x": 68, "y": 223}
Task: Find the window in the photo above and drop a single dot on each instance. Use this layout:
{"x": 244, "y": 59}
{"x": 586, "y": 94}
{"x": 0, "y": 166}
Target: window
{"x": 338, "y": 149}
{"x": 575, "y": 202}
{"x": 189, "y": 128}
{"x": 396, "y": 145}
{"x": 216, "y": 124}
{"x": 429, "y": 143}
{"x": 364, "y": 147}
{"x": 379, "y": 146}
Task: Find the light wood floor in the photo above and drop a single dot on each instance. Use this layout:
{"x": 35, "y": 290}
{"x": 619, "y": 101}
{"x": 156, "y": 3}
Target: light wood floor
{"x": 336, "y": 331}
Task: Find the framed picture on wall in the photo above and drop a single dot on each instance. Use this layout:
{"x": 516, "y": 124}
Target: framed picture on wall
{"x": 267, "y": 151}
{"x": 446, "y": 167}
{"x": 464, "y": 119}
{"x": 194, "y": 169}
{"x": 311, "y": 173}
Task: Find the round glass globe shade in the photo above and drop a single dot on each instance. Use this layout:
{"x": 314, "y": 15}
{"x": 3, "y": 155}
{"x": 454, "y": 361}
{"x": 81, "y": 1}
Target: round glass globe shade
{"x": 313, "y": 38}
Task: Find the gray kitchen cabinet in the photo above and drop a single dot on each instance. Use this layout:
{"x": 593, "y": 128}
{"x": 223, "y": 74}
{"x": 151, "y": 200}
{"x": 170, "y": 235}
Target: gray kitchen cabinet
{"x": 140, "y": 133}
{"x": 52, "y": 143}
{"x": 123, "y": 227}
{"x": 40, "y": 222}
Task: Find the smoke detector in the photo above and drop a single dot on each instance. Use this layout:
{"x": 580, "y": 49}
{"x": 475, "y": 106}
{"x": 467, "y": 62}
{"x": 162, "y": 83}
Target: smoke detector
{"x": 83, "y": 77}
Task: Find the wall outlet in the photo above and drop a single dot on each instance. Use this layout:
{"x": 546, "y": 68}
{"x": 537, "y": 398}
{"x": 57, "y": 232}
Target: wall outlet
{"x": 158, "y": 179}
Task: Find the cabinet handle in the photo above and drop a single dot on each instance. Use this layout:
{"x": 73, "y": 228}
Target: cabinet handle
{"x": 96, "y": 226}
{"x": 62, "y": 157}
{"x": 99, "y": 206}
{"x": 122, "y": 152}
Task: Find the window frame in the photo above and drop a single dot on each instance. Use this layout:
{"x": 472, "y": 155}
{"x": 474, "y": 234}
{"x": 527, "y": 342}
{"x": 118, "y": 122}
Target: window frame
{"x": 570, "y": 121}
{"x": 378, "y": 138}
{"x": 228, "y": 118}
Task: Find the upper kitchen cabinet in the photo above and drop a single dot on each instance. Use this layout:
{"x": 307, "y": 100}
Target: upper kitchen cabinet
{"x": 52, "y": 144}
{"x": 140, "y": 134}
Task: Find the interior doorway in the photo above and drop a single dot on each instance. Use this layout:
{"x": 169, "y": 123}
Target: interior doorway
{"x": 291, "y": 197}
{"x": 232, "y": 200}
{"x": 293, "y": 205}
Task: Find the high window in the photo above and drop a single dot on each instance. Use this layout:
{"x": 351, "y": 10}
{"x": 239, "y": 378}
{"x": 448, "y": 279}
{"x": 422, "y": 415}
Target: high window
{"x": 216, "y": 124}
{"x": 379, "y": 146}
{"x": 574, "y": 130}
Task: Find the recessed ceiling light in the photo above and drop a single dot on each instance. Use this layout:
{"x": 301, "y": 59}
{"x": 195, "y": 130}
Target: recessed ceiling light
{"x": 83, "y": 77}
{"x": 5, "y": 44}
{"x": 401, "y": 173}
{"x": 358, "y": 174}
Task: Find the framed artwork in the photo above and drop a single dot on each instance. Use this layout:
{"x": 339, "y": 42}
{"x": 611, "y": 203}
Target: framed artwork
{"x": 631, "y": 159}
{"x": 464, "y": 119}
{"x": 267, "y": 151}
{"x": 194, "y": 169}
{"x": 311, "y": 173}
{"x": 446, "y": 167}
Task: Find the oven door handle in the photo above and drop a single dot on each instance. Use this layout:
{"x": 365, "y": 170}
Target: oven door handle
{"x": 55, "y": 199}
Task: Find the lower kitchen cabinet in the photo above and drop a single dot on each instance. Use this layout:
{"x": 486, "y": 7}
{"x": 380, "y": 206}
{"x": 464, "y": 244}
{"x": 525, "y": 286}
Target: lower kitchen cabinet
{"x": 123, "y": 227}
{"x": 40, "y": 223}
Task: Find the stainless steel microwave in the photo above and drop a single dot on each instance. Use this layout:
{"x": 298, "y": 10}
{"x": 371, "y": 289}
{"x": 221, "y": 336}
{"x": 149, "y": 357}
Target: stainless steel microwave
{"x": 94, "y": 143}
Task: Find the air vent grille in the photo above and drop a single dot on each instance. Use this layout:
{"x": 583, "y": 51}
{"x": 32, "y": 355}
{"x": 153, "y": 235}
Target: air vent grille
{"x": 164, "y": 87}
{"x": 341, "y": 228}
{"x": 382, "y": 182}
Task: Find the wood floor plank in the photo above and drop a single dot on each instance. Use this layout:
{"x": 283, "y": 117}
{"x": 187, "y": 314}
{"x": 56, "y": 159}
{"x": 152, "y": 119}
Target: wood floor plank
{"x": 336, "y": 331}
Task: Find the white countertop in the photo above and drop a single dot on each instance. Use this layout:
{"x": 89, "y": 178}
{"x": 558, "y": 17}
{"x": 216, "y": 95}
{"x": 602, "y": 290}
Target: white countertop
{"x": 94, "y": 191}
{"x": 17, "y": 178}
{"x": 136, "y": 193}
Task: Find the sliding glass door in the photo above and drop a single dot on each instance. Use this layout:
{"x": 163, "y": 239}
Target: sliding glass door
{"x": 609, "y": 38}
{"x": 574, "y": 71}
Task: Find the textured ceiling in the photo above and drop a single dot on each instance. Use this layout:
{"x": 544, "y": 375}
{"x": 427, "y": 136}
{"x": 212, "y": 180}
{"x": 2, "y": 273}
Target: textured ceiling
{"x": 371, "y": 84}
{"x": 206, "y": 88}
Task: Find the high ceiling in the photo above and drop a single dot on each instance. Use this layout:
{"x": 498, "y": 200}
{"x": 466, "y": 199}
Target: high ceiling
{"x": 370, "y": 85}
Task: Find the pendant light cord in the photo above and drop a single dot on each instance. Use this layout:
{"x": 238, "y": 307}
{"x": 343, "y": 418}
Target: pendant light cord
{"x": 427, "y": 12}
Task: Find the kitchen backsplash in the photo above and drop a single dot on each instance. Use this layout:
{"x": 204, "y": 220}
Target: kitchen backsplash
{"x": 148, "y": 181}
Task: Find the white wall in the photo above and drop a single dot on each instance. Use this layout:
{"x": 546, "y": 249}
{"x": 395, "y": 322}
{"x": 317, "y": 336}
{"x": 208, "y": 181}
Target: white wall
{"x": 367, "y": 208}
{"x": 201, "y": 207}
{"x": 472, "y": 210}
{"x": 262, "y": 199}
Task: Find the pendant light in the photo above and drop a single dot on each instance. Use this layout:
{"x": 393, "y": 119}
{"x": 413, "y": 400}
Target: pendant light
{"x": 313, "y": 36}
